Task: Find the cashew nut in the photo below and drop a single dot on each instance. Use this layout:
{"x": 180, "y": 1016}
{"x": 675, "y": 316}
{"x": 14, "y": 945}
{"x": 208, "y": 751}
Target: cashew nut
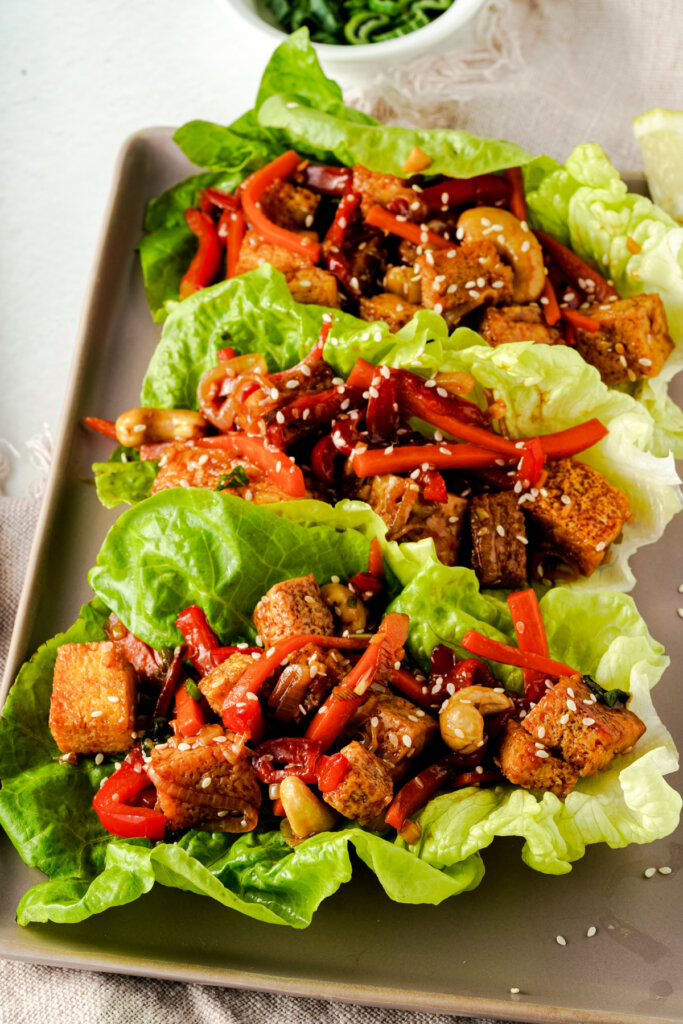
{"x": 152, "y": 426}
{"x": 462, "y": 719}
{"x": 403, "y": 281}
{"x": 307, "y": 815}
{"x": 346, "y": 605}
{"x": 513, "y": 241}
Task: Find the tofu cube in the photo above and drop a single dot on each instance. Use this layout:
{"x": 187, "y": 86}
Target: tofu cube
{"x": 528, "y": 763}
{"x": 217, "y": 684}
{"x": 295, "y": 606}
{"x": 579, "y": 512}
{"x": 93, "y": 703}
{"x": 498, "y": 540}
{"x": 378, "y": 189}
{"x": 589, "y": 734}
{"x": 290, "y": 206}
{"x": 633, "y": 340}
{"x": 393, "y": 729}
{"x": 365, "y": 790}
{"x": 501, "y": 326}
{"x": 391, "y": 309}
{"x": 456, "y": 281}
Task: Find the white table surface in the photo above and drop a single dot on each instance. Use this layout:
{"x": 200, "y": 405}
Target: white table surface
{"x": 76, "y": 78}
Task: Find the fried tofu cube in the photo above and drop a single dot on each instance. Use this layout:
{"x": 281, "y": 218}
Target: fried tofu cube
{"x": 256, "y": 251}
{"x": 313, "y": 286}
{"x": 442, "y": 521}
{"x": 217, "y": 684}
{"x": 93, "y": 703}
{"x": 501, "y": 326}
{"x": 528, "y": 763}
{"x": 589, "y": 734}
{"x": 498, "y": 540}
{"x": 633, "y": 340}
{"x": 378, "y": 189}
{"x": 295, "y": 606}
{"x": 393, "y": 729}
{"x": 184, "y": 465}
{"x": 579, "y": 512}
{"x": 366, "y": 788}
{"x": 204, "y": 787}
{"x": 456, "y": 281}
{"x": 391, "y": 309}
{"x": 306, "y": 682}
{"x": 290, "y": 206}
{"x": 392, "y": 498}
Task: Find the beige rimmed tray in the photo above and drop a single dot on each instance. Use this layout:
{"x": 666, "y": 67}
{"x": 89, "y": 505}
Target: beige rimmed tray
{"x": 462, "y": 957}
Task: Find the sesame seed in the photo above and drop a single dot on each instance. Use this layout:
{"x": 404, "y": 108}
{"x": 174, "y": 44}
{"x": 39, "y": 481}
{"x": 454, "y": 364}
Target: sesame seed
{"x": 521, "y": 539}
{"x": 571, "y": 704}
{"x": 541, "y": 731}
{"x": 649, "y": 872}
{"x": 206, "y": 782}
{"x": 514, "y": 991}
{"x": 99, "y": 758}
{"x": 481, "y": 282}
{"x": 587, "y": 721}
{"x": 664, "y": 870}
{"x": 459, "y": 733}
{"x": 645, "y": 362}
{"x": 591, "y": 932}
{"x": 406, "y": 740}
{"x": 560, "y": 940}
{"x": 679, "y": 611}
{"x": 600, "y": 545}
{"x": 334, "y": 579}
{"x": 500, "y": 530}
{"x": 96, "y": 714}
{"x": 184, "y": 746}
{"x": 542, "y": 753}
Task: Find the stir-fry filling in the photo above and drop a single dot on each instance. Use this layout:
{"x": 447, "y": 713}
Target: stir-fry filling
{"x": 324, "y": 719}
{"x": 384, "y": 247}
{"x": 513, "y": 510}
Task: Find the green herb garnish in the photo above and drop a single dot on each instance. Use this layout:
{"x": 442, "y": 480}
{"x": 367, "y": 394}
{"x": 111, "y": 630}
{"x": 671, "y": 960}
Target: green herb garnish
{"x": 236, "y": 478}
{"x": 608, "y": 697}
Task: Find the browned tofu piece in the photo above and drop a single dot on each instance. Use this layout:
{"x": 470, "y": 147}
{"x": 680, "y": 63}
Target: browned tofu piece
{"x": 529, "y": 763}
{"x": 405, "y": 282}
{"x": 589, "y": 734}
{"x": 295, "y": 606}
{"x": 313, "y": 286}
{"x": 579, "y": 512}
{"x": 389, "y": 308}
{"x": 393, "y": 729}
{"x": 365, "y": 790}
{"x": 184, "y": 465}
{"x": 500, "y": 326}
{"x": 290, "y": 206}
{"x": 393, "y": 499}
{"x": 306, "y": 682}
{"x": 203, "y": 788}
{"x": 458, "y": 280}
{"x": 498, "y": 540}
{"x": 93, "y": 703}
{"x": 382, "y": 189}
{"x": 256, "y": 251}
{"x": 633, "y": 340}
{"x": 217, "y": 684}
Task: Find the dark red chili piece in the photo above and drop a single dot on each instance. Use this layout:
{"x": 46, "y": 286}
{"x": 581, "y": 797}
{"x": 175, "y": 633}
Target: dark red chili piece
{"x": 200, "y": 638}
{"x": 331, "y": 771}
{"x": 297, "y": 756}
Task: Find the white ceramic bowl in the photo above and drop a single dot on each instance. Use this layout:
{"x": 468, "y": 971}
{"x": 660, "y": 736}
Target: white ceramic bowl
{"x": 368, "y": 58}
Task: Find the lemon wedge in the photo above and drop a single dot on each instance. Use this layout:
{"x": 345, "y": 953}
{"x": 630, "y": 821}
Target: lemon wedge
{"x": 659, "y": 133}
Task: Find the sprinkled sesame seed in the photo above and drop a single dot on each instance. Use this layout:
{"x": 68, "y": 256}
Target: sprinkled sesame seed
{"x": 664, "y": 870}
{"x": 406, "y": 740}
{"x": 560, "y": 940}
{"x": 542, "y": 753}
{"x": 587, "y": 721}
{"x": 600, "y": 545}
{"x": 514, "y": 991}
{"x": 206, "y": 782}
{"x": 591, "y": 932}
{"x": 649, "y": 872}
{"x": 680, "y": 612}
{"x": 96, "y": 714}
{"x": 500, "y": 530}
{"x": 571, "y": 704}
{"x": 184, "y": 746}
{"x": 541, "y": 731}
{"x": 99, "y": 758}
{"x": 481, "y": 282}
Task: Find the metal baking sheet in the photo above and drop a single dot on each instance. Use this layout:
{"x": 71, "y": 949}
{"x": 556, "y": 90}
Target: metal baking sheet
{"x": 461, "y": 957}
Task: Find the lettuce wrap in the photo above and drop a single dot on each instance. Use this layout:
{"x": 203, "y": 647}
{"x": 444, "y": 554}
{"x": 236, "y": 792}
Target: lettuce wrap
{"x": 545, "y": 388}
{"x": 214, "y": 549}
{"x": 584, "y": 203}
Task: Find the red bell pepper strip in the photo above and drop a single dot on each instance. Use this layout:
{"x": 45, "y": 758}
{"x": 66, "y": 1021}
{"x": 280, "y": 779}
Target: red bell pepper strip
{"x": 348, "y": 205}
{"x": 282, "y": 470}
{"x": 381, "y": 417}
{"x": 412, "y": 688}
{"x": 106, "y": 427}
{"x": 376, "y": 559}
{"x": 577, "y": 319}
{"x": 220, "y": 654}
{"x": 331, "y": 181}
{"x": 494, "y": 650}
{"x": 116, "y": 814}
{"x": 433, "y": 485}
{"x": 456, "y": 191}
{"x": 365, "y": 585}
{"x": 211, "y": 197}
{"x": 530, "y": 632}
{"x": 323, "y": 455}
{"x": 170, "y": 684}
{"x": 199, "y": 636}
{"x": 231, "y": 230}
{"x": 145, "y": 660}
{"x": 378, "y": 217}
{"x": 310, "y": 411}
{"x": 558, "y": 445}
{"x": 204, "y": 266}
{"x": 297, "y": 755}
{"x": 384, "y": 649}
{"x": 513, "y": 176}
{"x": 242, "y": 704}
{"x": 252, "y": 191}
{"x": 575, "y": 270}
{"x": 316, "y": 353}
{"x": 189, "y": 718}
{"x": 549, "y": 307}
{"x": 419, "y": 791}
{"x": 532, "y": 463}
{"x": 331, "y": 771}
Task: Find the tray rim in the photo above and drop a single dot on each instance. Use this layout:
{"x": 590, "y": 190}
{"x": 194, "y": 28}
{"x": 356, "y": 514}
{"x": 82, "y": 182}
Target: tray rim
{"x": 366, "y": 994}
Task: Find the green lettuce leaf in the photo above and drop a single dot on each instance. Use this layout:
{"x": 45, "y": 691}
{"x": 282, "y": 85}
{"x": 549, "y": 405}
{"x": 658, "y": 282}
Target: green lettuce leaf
{"x": 124, "y": 482}
{"x": 545, "y": 388}
{"x": 588, "y": 207}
